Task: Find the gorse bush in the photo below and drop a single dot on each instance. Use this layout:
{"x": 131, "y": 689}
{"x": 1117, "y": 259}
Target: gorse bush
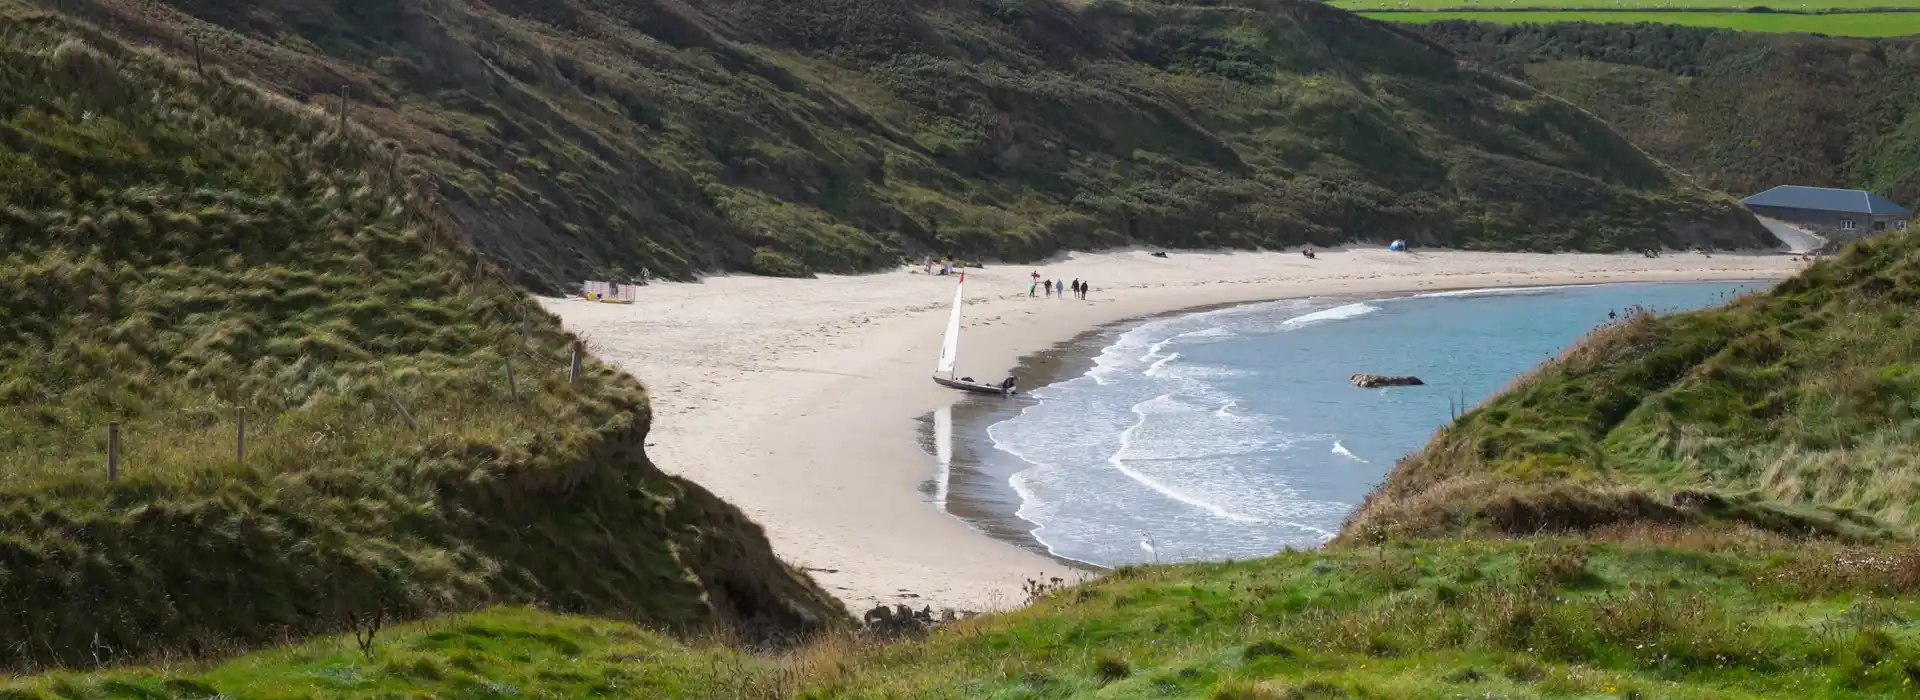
{"x": 179, "y": 252}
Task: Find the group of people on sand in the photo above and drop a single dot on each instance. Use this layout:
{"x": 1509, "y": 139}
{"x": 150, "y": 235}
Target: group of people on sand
{"x": 1057, "y": 288}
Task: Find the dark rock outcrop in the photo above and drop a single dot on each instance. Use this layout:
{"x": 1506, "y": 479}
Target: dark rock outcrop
{"x": 901, "y": 620}
{"x": 1372, "y": 381}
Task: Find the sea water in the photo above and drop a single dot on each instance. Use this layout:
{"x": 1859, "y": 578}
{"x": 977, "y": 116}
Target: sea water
{"x": 1235, "y": 432}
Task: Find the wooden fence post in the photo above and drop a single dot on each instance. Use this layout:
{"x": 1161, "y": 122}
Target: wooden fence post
{"x": 577, "y": 352}
{"x": 240, "y": 439}
{"x": 405, "y": 414}
{"x": 343, "y": 110}
{"x": 513, "y": 387}
{"x": 113, "y": 451}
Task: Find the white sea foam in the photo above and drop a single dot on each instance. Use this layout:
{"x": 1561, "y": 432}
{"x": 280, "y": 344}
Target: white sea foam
{"x": 1338, "y": 313}
{"x": 1154, "y": 369}
{"x": 1179, "y": 452}
{"x": 1496, "y": 291}
{"x": 1341, "y": 450}
{"x": 1120, "y": 464}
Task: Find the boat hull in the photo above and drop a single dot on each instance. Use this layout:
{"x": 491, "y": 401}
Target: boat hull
{"x": 974, "y": 387}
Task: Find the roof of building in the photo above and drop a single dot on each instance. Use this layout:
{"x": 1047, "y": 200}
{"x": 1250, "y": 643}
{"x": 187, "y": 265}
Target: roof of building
{"x": 1827, "y": 199}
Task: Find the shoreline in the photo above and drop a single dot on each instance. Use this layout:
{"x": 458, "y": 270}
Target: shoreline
{"x": 971, "y": 416}
{"x": 995, "y": 514}
{"x": 800, "y": 401}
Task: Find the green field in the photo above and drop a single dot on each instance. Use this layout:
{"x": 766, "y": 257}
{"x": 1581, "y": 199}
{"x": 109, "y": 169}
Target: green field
{"x": 1838, "y": 24}
{"x": 1644, "y": 5}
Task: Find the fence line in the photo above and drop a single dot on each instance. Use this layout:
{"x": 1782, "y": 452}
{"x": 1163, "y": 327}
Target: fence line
{"x": 113, "y": 452}
{"x": 575, "y": 366}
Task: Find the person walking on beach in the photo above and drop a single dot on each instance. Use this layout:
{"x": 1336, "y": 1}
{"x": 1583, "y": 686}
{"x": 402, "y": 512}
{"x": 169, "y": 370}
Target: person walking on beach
{"x": 1060, "y": 288}
{"x": 1049, "y": 284}
{"x": 1076, "y": 287}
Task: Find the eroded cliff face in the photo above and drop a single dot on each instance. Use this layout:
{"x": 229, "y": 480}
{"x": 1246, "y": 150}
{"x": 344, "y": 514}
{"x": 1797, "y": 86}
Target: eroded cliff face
{"x": 574, "y": 139}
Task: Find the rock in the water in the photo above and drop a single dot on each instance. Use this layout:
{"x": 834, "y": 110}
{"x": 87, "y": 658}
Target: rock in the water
{"x": 1371, "y": 381}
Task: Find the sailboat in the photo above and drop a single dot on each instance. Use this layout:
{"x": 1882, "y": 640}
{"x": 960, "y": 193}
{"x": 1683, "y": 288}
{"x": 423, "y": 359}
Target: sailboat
{"x": 950, "y": 352}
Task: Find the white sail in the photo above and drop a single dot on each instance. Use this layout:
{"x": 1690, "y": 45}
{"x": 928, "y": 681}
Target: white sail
{"x": 950, "y": 350}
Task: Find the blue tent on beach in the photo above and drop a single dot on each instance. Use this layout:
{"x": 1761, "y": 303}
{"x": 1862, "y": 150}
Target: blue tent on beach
{"x": 1398, "y": 244}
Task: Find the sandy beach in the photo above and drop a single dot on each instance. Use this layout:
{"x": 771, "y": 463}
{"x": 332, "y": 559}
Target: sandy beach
{"x": 797, "y": 400}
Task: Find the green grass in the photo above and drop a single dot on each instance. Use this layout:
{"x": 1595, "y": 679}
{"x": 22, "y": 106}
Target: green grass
{"x": 593, "y": 138}
{"x": 179, "y": 250}
{"x": 1864, "y": 24}
{"x": 1622, "y": 5}
{"x": 1642, "y": 613}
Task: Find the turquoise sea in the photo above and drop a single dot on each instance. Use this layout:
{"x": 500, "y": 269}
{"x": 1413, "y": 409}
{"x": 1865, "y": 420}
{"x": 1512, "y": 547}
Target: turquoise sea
{"x": 1233, "y": 432}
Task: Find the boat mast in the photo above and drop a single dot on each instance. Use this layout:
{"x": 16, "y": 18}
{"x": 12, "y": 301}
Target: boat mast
{"x": 959, "y": 290}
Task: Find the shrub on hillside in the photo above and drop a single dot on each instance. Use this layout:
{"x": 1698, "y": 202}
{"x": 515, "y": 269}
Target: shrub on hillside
{"x": 773, "y": 263}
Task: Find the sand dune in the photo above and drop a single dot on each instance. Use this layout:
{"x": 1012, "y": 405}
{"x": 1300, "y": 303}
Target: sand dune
{"x": 797, "y": 399}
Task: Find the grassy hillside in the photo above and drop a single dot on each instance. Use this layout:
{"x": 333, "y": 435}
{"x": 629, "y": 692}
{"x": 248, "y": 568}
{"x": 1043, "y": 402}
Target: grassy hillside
{"x": 1647, "y": 613}
{"x": 178, "y": 252}
{"x": 1739, "y": 112}
{"x": 572, "y": 138}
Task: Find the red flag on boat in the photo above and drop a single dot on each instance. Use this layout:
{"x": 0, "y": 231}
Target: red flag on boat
{"x": 963, "y": 277}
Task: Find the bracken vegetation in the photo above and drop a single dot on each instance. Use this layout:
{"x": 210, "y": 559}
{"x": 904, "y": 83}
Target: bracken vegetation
{"x": 178, "y": 252}
{"x": 592, "y": 138}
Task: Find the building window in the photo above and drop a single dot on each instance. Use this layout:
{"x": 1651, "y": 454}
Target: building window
{"x": 1846, "y": 224}
{"x": 1879, "y": 225}
{"x": 1900, "y": 224}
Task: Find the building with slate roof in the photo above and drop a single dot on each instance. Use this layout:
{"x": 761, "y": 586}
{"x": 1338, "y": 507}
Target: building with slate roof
{"x": 1838, "y": 214}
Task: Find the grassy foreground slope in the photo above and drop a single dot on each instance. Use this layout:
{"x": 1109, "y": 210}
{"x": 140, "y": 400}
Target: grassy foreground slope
{"x": 178, "y": 252}
{"x": 576, "y": 138}
{"x": 1740, "y": 112}
{"x": 1641, "y": 613}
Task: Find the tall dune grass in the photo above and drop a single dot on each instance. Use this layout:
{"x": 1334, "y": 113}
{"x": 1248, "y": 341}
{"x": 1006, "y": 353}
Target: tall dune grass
{"x": 178, "y": 251}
